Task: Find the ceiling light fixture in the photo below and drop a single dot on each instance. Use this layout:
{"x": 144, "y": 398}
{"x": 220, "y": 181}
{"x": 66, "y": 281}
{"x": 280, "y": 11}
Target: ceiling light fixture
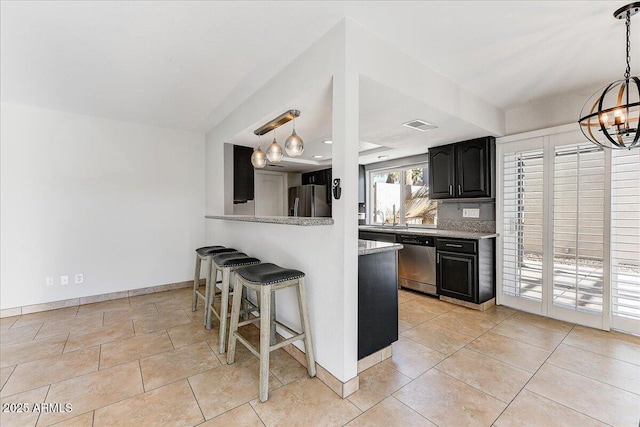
{"x": 317, "y": 156}
{"x": 328, "y": 141}
{"x": 294, "y": 145}
{"x": 383, "y": 157}
{"x": 610, "y": 117}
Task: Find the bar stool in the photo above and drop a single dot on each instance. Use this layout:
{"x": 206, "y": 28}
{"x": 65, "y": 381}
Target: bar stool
{"x": 264, "y": 279}
{"x": 227, "y": 264}
{"x": 205, "y": 253}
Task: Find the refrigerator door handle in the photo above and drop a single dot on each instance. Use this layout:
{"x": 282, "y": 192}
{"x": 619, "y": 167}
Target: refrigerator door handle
{"x": 296, "y": 207}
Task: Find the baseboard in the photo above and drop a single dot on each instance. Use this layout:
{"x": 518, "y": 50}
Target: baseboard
{"x": 482, "y": 307}
{"x": 17, "y": 311}
{"x": 374, "y": 358}
{"x": 342, "y": 389}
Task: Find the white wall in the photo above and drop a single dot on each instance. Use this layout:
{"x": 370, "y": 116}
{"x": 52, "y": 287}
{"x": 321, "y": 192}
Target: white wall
{"x": 555, "y": 110}
{"x": 119, "y": 202}
{"x": 318, "y": 251}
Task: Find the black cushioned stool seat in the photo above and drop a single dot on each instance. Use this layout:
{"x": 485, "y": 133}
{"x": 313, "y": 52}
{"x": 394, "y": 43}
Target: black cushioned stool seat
{"x": 226, "y": 264}
{"x": 267, "y": 274}
{"x": 234, "y": 259}
{"x": 265, "y": 279}
{"x": 205, "y": 253}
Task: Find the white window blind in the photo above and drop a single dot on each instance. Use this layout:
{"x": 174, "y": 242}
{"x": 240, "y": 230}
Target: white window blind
{"x": 578, "y": 227}
{"x": 523, "y": 224}
{"x": 625, "y": 234}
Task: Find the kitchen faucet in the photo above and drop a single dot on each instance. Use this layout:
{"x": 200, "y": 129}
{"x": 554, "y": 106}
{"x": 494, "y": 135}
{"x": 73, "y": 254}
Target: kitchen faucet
{"x": 393, "y": 224}
{"x": 379, "y": 212}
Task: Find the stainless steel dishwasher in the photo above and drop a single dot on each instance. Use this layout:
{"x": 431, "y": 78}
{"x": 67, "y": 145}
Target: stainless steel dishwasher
{"x": 417, "y": 263}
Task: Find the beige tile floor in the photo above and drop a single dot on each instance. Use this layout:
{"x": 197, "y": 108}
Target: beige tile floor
{"x": 148, "y": 361}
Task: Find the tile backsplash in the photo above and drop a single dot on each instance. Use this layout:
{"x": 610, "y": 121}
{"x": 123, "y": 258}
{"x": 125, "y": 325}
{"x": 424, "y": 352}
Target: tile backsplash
{"x": 450, "y": 216}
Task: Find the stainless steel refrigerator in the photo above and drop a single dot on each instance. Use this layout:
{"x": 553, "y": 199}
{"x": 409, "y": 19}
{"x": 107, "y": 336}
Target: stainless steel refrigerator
{"x": 308, "y": 200}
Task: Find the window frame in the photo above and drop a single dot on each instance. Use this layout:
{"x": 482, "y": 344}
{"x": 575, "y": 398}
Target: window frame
{"x": 403, "y": 193}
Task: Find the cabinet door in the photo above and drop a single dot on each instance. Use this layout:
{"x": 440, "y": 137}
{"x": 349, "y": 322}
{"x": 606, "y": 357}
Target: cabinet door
{"x": 243, "y": 181}
{"x": 323, "y": 177}
{"x": 327, "y": 179}
{"x": 441, "y": 172}
{"x": 457, "y": 276}
{"x": 473, "y": 168}
{"x": 307, "y": 178}
{"x": 362, "y": 192}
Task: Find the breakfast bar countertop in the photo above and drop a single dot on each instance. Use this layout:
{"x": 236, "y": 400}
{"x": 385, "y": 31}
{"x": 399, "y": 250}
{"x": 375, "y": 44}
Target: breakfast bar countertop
{"x": 284, "y": 220}
{"x": 423, "y": 231}
{"x": 366, "y": 247}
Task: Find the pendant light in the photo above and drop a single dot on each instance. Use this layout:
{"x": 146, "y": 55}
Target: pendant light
{"x": 274, "y": 151}
{"x": 611, "y": 116}
{"x": 258, "y": 158}
{"x": 294, "y": 146}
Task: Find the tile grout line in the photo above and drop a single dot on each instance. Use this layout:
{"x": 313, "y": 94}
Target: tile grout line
{"x": 411, "y": 409}
{"x": 600, "y": 354}
{"x": 197, "y": 402}
{"x": 535, "y": 373}
{"x": 565, "y": 406}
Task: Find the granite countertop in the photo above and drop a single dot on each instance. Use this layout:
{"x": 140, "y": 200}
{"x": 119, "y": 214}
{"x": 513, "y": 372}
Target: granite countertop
{"x": 366, "y": 247}
{"x": 428, "y": 232}
{"x": 285, "y": 220}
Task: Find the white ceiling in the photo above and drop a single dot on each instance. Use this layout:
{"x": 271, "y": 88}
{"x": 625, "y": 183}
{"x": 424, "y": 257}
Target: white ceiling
{"x": 187, "y": 65}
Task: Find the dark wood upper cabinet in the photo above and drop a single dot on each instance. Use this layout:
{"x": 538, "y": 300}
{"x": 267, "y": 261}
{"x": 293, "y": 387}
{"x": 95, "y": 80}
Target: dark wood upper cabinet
{"x": 474, "y": 162}
{"x": 441, "y": 172}
{"x": 243, "y": 181}
{"x": 463, "y": 170}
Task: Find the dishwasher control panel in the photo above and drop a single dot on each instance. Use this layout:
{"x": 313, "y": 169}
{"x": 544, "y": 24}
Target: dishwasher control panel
{"x": 416, "y": 240}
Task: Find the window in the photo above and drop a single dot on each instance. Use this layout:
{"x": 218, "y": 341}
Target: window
{"x": 404, "y": 191}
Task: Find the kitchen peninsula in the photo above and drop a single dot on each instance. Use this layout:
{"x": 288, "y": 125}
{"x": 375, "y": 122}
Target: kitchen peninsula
{"x": 377, "y": 297}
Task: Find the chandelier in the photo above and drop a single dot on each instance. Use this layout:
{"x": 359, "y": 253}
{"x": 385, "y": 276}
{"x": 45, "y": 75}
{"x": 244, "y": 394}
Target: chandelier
{"x": 610, "y": 117}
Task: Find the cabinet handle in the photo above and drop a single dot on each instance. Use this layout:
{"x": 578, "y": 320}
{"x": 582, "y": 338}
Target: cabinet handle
{"x": 450, "y": 190}
{"x": 451, "y": 245}
{"x": 459, "y": 190}
{"x": 438, "y": 261}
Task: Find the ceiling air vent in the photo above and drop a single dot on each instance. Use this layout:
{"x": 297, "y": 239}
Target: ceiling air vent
{"x": 419, "y": 125}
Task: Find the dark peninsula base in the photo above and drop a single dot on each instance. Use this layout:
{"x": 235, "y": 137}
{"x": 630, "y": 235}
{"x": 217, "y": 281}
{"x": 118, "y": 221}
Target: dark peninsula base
{"x": 377, "y": 301}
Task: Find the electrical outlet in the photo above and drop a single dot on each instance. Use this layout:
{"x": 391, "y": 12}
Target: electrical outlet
{"x": 79, "y": 278}
{"x": 471, "y": 213}
{"x": 49, "y": 281}
{"x": 64, "y": 280}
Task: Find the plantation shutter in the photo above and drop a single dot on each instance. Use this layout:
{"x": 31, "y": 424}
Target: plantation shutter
{"x": 523, "y": 224}
{"x": 625, "y": 238}
{"x": 578, "y": 227}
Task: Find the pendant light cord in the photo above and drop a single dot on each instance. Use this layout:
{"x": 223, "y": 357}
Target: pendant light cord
{"x": 627, "y": 73}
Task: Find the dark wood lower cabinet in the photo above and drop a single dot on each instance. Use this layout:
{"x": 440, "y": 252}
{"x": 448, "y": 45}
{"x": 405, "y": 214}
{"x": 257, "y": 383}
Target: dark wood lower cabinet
{"x": 457, "y": 275}
{"x": 377, "y": 302}
{"x": 465, "y": 269}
